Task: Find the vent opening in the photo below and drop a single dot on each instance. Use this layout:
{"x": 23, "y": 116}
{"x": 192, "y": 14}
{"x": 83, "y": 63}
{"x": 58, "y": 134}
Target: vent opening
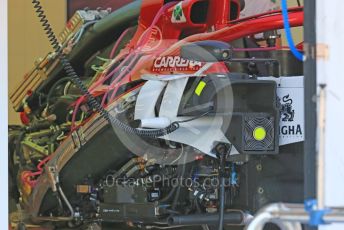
{"x": 234, "y": 11}
{"x": 199, "y": 12}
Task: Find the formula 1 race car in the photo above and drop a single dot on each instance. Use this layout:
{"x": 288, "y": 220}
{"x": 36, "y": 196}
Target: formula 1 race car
{"x": 161, "y": 114}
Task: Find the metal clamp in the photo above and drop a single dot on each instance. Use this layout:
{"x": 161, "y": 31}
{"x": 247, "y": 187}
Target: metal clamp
{"x": 316, "y": 216}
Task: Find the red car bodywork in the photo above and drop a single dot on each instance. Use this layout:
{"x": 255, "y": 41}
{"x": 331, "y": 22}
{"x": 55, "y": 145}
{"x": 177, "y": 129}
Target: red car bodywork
{"x": 157, "y": 36}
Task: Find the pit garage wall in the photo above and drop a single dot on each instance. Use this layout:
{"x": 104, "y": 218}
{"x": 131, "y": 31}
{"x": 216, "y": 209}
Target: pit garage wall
{"x": 330, "y": 37}
{"x": 27, "y": 40}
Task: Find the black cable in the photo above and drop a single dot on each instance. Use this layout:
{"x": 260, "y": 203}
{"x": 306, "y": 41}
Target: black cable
{"x": 222, "y": 203}
{"x": 78, "y": 82}
{"x": 57, "y": 83}
{"x": 298, "y": 2}
{"x": 196, "y": 117}
{"x": 222, "y": 152}
{"x": 181, "y": 176}
{"x": 18, "y": 148}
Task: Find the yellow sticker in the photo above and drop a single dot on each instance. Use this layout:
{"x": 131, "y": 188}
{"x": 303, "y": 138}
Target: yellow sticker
{"x": 259, "y": 133}
{"x": 200, "y": 88}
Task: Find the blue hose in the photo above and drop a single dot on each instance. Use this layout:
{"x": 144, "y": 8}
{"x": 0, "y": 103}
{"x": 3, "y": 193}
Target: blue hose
{"x": 290, "y": 40}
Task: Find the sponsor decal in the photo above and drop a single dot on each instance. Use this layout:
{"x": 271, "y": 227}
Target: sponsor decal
{"x": 287, "y": 112}
{"x": 291, "y": 130}
{"x": 175, "y": 63}
{"x": 178, "y": 14}
{"x": 154, "y": 39}
{"x": 290, "y": 127}
{"x": 290, "y": 93}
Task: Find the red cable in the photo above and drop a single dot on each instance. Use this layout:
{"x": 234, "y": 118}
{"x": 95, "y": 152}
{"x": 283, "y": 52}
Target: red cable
{"x": 119, "y": 40}
{"x": 26, "y": 176}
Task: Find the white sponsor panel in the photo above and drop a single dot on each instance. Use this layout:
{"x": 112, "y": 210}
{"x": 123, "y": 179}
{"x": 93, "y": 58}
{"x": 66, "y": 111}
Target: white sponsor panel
{"x": 290, "y": 92}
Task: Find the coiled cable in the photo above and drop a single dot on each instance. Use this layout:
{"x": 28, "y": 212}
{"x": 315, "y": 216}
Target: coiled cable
{"x": 91, "y": 99}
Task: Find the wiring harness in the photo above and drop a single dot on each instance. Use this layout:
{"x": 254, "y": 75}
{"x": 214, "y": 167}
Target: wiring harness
{"x": 91, "y": 99}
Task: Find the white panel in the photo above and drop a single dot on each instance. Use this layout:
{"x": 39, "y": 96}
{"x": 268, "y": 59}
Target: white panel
{"x": 330, "y": 32}
{"x": 172, "y": 97}
{"x": 291, "y": 95}
{"x": 332, "y": 227}
{"x": 200, "y": 133}
{"x": 147, "y": 98}
{"x": 290, "y": 92}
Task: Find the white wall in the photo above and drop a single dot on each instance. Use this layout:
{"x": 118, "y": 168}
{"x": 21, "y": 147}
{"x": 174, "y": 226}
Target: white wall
{"x": 330, "y": 32}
